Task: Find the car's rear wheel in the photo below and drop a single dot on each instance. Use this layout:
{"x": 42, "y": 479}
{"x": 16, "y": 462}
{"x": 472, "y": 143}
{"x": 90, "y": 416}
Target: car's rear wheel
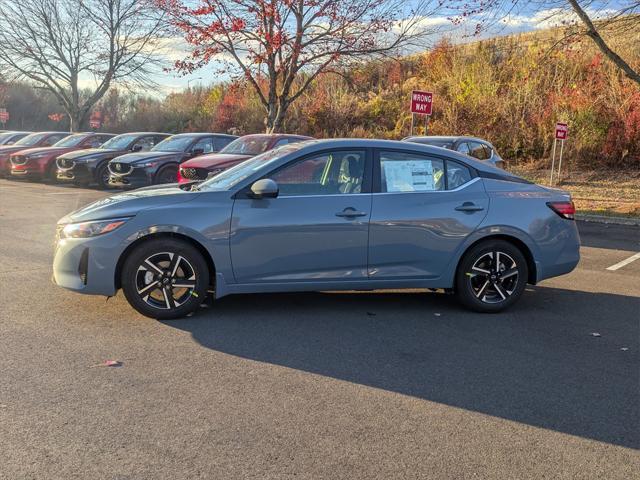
{"x": 168, "y": 174}
{"x": 165, "y": 278}
{"x": 491, "y": 276}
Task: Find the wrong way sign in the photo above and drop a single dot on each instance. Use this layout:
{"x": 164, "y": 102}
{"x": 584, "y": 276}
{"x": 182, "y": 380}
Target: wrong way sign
{"x": 562, "y": 131}
{"x": 4, "y": 115}
{"x": 421, "y": 102}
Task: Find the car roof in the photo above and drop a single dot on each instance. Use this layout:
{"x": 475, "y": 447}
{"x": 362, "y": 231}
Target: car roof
{"x": 146, "y": 133}
{"x": 313, "y": 145}
{"x": 203, "y": 134}
{"x": 445, "y": 138}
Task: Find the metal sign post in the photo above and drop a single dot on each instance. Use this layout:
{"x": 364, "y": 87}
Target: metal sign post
{"x": 562, "y": 132}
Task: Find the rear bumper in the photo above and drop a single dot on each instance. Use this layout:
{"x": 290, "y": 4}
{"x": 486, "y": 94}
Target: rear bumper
{"x": 564, "y": 257}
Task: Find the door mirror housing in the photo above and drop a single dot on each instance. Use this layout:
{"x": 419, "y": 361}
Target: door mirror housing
{"x": 136, "y": 148}
{"x": 265, "y": 188}
{"x": 197, "y": 151}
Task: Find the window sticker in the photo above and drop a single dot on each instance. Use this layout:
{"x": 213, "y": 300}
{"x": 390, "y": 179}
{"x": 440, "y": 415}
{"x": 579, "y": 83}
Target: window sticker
{"x": 409, "y": 176}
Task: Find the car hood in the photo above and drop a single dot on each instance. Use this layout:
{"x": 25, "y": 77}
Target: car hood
{"x": 131, "y": 158}
{"x": 92, "y": 152}
{"x": 51, "y": 150}
{"x": 129, "y": 203}
{"x": 7, "y": 149}
{"x": 214, "y": 160}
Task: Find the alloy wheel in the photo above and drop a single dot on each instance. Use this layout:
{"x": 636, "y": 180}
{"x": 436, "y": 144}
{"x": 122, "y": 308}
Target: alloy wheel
{"x": 493, "y": 277}
{"x": 165, "y": 280}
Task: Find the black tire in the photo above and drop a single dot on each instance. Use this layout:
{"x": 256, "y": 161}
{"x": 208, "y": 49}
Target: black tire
{"x": 167, "y": 174}
{"x": 101, "y": 172}
{"x": 143, "y": 285}
{"x": 485, "y": 287}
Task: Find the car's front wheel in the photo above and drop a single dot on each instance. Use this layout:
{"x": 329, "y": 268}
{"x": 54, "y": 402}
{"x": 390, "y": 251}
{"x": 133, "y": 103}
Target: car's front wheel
{"x": 165, "y": 278}
{"x": 491, "y": 276}
{"x": 168, "y": 174}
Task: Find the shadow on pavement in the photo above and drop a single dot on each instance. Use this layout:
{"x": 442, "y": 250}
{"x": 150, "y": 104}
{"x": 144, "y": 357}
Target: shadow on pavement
{"x": 537, "y": 364}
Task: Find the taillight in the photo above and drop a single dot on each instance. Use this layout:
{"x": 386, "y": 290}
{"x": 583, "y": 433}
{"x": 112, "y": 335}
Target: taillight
{"x": 564, "y": 209}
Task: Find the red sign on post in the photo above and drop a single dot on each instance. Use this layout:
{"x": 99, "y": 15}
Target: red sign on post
{"x": 94, "y": 124}
{"x": 421, "y": 102}
{"x": 4, "y": 115}
{"x": 562, "y": 131}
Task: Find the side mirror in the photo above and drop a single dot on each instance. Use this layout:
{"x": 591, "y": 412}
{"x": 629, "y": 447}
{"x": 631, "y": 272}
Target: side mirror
{"x": 265, "y": 188}
{"x": 136, "y": 148}
{"x": 197, "y": 151}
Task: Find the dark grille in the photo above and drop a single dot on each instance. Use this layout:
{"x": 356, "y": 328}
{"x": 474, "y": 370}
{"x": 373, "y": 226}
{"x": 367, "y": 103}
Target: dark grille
{"x": 65, "y": 163}
{"x": 120, "y": 168}
{"x": 194, "y": 173}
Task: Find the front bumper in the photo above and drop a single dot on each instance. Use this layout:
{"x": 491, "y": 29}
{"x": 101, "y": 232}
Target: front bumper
{"x": 87, "y": 265}
{"x": 139, "y": 177}
{"x": 78, "y": 174}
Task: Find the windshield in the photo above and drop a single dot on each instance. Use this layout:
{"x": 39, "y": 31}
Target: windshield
{"x": 32, "y": 139}
{"x": 249, "y": 145}
{"x": 228, "y": 178}
{"x": 121, "y": 142}
{"x": 70, "y": 141}
{"x": 176, "y": 143}
{"x": 5, "y": 136}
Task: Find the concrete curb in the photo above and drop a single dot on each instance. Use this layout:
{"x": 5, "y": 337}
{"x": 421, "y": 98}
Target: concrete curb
{"x": 634, "y": 221}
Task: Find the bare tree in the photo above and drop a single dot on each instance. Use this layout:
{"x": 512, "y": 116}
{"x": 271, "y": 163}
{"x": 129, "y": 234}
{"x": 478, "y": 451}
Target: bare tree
{"x": 281, "y": 46}
{"x": 77, "y": 49}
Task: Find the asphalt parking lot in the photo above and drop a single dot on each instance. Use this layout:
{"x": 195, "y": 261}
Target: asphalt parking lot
{"x": 324, "y": 385}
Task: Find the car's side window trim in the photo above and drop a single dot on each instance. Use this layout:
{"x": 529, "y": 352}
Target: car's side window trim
{"x": 377, "y": 174}
{"x": 367, "y": 180}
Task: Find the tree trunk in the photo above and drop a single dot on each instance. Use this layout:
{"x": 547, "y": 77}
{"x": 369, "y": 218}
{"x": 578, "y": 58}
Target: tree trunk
{"x": 593, "y": 33}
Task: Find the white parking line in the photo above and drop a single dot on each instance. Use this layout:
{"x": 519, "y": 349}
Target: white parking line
{"x": 624, "y": 262}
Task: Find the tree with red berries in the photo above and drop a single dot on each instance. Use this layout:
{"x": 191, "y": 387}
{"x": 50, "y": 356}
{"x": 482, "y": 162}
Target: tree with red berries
{"x": 281, "y": 46}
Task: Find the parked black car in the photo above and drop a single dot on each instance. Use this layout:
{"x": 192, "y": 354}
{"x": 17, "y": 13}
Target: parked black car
{"x": 472, "y": 146}
{"x": 84, "y": 167}
{"x": 9, "y": 138}
{"x": 160, "y": 164}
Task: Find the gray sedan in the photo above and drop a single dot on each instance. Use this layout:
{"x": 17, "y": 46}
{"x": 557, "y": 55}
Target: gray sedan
{"x": 323, "y": 215}
{"x": 473, "y": 146}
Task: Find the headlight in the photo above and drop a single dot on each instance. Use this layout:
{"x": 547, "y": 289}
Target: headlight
{"x": 147, "y": 164}
{"x": 91, "y": 229}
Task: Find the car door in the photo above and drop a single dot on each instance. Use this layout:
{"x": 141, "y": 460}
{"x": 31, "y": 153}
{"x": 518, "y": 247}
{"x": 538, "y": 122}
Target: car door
{"x": 423, "y": 208}
{"x": 315, "y": 230}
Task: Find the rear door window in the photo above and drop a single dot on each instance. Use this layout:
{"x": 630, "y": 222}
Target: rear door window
{"x": 478, "y": 151}
{"x": 409, "y": 172}
{"x": 463, "y": 147}
{"x": 457, "y": 174}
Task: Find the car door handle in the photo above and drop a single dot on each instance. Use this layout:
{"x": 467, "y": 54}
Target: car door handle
{"x": 350, "y": 212}
{"x": 469, "y": 207}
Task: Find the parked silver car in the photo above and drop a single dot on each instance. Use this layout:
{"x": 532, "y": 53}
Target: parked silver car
{"x": 323, "y": 215}
{"x": 472, "y": 146}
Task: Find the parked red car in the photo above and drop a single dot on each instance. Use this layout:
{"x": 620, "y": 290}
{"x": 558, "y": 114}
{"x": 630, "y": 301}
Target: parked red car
{"x": 41, "y": 162}
{"x": 236, "y": 152}
{"x": 39, "y": 139}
